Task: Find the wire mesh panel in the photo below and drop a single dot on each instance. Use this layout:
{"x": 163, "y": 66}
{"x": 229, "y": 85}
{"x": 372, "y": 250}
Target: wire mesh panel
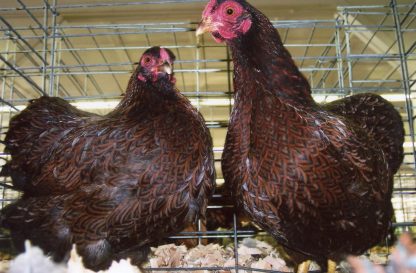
{"x": 378, "y": 59}
{"x": 57, "y": 50}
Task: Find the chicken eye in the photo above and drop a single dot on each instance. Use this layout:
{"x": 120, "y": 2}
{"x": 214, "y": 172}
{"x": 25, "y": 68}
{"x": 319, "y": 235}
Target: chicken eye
{"x": 147, "y": 60}
{"x": 230, "y": 11}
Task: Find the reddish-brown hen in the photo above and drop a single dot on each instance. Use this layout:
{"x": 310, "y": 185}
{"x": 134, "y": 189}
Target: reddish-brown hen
{"x": 114, "y": 184}
{"x": 318, "y": 178}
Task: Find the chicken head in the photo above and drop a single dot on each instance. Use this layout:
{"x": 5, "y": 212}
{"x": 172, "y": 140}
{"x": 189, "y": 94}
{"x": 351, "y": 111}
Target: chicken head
{"x": 156, "y": 63}
{"x": 225, "y": 20}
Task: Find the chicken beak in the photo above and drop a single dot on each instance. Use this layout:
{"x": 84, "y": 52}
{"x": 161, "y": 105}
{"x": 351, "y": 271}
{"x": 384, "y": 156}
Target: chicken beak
{"x": 167, "y": 67}
{"x": 204, "y": 26}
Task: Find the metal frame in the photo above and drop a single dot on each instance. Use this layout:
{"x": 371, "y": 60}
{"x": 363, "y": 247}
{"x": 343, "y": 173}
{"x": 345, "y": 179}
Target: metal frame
{"x": 398, "y": 21}
{"x": 330, "y": 66}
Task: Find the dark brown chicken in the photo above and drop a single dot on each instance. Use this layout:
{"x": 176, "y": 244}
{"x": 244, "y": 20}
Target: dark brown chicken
{"x": 50, "y": 119}
{"x": 114, "y": 184}
{"x": 318, "y": 178}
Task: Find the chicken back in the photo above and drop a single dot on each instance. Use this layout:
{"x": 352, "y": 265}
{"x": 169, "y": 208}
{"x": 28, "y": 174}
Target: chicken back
{"x": 114, "y": 184}
{"x": 318, "y": 178}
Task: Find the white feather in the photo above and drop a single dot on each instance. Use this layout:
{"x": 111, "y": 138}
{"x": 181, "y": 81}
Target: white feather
{"x": 34, "y": 261}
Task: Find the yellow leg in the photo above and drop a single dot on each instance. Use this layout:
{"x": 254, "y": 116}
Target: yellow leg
{"x": 304, "y": 267}
{"x": 332, "y": 266}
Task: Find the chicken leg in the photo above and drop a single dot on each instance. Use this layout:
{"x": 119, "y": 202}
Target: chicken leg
{"x": 304, "y": 267}
{"x": 332, "y": 266}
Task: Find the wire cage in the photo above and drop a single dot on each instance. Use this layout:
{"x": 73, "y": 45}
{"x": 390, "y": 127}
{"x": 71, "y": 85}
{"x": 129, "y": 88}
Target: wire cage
{"x": 88, "y": 62}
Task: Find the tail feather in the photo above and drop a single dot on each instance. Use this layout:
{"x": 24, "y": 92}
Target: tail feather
{"x": 40, "y": 221}
{"x": 18, "y": 176}
{"x": 6, "y": 145}
{"x": 5, "y": 170}
{"x": 381, "y": 120}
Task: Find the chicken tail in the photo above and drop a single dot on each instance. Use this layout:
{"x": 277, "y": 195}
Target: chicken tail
{"x": 5, "y": 170}
{"x": 40, "y": 221}
{"x": 18, "y": 177}
{"x": 2, "y": 218}
{"x": 6, "y": 145}
{"x": 381, "y": 120}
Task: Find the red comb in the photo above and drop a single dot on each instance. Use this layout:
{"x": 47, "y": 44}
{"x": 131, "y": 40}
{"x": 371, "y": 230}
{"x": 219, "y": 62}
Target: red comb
{"x": 164, "y": 54}
{"x": 211, "y": 4}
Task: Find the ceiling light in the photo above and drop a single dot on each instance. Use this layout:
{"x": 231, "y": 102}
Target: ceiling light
{"x": 325, "y": 98}
{"x": 408, "y": 145}
{"x": 395, "y": 97}
{"x": 212, "y": 102}
{"x": 111, "y": 104}
{"x": 96, "y": 105}
{"x": 6, "y": 108}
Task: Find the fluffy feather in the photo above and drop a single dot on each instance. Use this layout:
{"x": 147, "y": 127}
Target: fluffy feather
{"x": 110, "y": 184}
{"x": 318, "y": 178}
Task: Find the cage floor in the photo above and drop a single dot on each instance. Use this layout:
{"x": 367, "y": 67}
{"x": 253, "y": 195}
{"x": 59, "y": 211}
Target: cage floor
{"x": 253, "y": 256}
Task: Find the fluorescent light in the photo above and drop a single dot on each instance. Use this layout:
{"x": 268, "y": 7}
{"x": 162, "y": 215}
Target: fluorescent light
{"x": 394, "y": 97}
{"x": 83, "y": 105}
{"x": 408, "y": 145}
{"x": 111, "y": 104}
{"x": 6, "y": 108}
{"x": 96, "y": 105}
{"x": 389, "y": 97}
{"x": 212, "y": 102}
{"x": 218, "y": 149}
{"x": 325, "y": 98}
{"x": 405, "y": 145}
{"x": 220, "y": 181}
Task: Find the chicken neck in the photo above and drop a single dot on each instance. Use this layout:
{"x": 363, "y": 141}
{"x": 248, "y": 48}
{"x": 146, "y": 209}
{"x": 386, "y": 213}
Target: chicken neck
{"x": 262, "y": 64}
{"x": 146, "y": 96}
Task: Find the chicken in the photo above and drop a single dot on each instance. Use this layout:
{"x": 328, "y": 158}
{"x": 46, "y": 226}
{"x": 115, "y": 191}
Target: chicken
{"x": 318, "y": 178}
{"x": 115, "y": 184}
{"x": 47, "y": 118}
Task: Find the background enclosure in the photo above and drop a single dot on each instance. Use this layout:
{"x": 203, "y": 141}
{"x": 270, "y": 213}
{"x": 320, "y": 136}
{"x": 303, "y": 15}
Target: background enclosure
{"x": 84, "y": 51}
